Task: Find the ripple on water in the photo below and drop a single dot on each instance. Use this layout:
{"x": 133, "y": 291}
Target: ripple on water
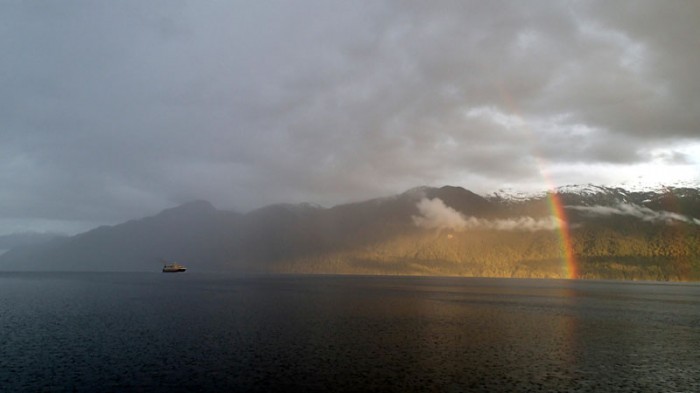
{"x": 92, "y": 332}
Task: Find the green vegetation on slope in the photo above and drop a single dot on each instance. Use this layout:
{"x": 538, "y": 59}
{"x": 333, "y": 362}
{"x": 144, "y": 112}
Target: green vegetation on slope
{"x": 640, "y": 252}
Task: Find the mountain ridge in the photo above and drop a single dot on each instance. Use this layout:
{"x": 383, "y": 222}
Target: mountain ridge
{"x": 444, "y": 231}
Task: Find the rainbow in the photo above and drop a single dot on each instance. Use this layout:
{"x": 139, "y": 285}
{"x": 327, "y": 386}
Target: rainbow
{"x": 557, "y": 209}
{"x": 556, "y": 206}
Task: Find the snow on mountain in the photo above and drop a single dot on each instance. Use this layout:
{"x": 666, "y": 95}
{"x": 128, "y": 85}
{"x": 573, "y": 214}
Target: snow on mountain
{"x": 661, "y": 197}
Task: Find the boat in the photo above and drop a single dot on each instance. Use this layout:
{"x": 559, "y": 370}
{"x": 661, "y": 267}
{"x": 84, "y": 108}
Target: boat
{"x": 173, "y": 268}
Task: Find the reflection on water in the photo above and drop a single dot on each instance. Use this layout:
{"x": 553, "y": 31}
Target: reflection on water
{"x": 154, "y": 332}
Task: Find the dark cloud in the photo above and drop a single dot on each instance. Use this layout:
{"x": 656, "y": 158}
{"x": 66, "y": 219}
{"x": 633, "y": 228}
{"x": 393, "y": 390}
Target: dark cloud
{"x": 115, "y": 110}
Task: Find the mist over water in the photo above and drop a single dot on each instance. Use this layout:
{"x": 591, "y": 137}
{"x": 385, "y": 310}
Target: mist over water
{"x": 199, "y": 332}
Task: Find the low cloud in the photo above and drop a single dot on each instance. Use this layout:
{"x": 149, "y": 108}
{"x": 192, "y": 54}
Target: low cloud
{"x": 434, "y": 214}
{"x": 518, "y": 224}
{"x": 641, "y": 212}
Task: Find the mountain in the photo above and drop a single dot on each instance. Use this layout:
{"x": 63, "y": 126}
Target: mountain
{"x": 191, "y": 231}
{"x": 614, "y": 233}
{"x": 23, "y": 239}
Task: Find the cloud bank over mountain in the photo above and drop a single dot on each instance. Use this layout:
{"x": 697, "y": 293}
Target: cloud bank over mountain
{"x": 434, "y": 214}
{"x": 641, "y": 212}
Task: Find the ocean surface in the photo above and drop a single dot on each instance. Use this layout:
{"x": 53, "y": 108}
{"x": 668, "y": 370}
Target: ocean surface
{"x": 155, "y": 332}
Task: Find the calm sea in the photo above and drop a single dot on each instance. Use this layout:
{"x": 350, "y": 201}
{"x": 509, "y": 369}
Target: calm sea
{"x": 158, "y": 332}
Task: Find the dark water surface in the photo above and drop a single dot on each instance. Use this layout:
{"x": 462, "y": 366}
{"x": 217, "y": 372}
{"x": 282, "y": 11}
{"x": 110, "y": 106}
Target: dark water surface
{"x": 199, "y": 332}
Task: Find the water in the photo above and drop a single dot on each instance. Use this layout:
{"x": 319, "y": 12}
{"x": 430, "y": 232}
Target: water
{"x": 198, "y": 332}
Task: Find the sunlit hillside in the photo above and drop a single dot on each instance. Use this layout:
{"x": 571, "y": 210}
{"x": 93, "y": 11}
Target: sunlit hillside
{"x": 601, "y": 253}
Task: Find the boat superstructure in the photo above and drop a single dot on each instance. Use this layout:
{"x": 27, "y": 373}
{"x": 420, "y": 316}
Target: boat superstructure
{"x": 173, "y": 268}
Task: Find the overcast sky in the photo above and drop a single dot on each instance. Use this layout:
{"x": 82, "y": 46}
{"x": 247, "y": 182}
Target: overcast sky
{"x": 111, "y": 110}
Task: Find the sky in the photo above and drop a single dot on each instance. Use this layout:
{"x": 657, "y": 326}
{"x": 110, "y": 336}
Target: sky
{"x": 116, "y": 110}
